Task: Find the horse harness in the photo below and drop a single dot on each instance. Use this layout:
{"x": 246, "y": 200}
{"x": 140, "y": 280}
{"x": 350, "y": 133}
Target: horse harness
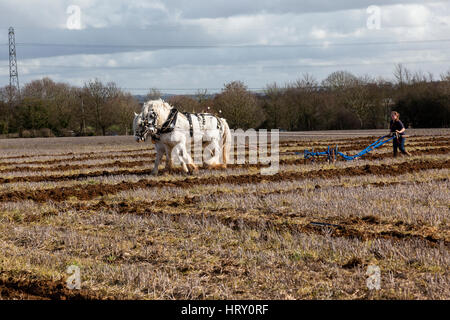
{"x": 171, "y": 121}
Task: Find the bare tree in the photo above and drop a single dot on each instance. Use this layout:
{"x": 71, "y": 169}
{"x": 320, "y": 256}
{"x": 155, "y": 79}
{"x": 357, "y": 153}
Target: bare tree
{"x": 184, "y": 103}
{"x": 100, "y": 101}
{"x": 57, "y": 99}
{"x": 10, "y": 100}
{"x": 445, "y": 76}
{"x": 357, "y": 99}
{"x": 239, "y": 106}
{"x": 153, "y": 94}
{"x": 339, "y": 80}
{"x": 125, "y": 106}
{"x": 402, "y": 74}
{"x": 274, "y": 106}
{"x": 352, "y": 92}
{"x": 201, "y": 95}
{"x": 307, "y": 82}
{"x": 300, "y": 103}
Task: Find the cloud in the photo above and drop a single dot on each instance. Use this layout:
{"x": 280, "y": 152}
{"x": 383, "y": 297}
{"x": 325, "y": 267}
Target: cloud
{"x": 179, "y": 44}
{"x": 196, "y": 9}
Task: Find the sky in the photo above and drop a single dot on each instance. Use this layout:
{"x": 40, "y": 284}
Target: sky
{"x": 182, "y": 46}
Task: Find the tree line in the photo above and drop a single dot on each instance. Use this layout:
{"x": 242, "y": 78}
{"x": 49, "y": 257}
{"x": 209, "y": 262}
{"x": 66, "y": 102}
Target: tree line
{"x": 341, "y": 101}
{"x": 47, "y": 108}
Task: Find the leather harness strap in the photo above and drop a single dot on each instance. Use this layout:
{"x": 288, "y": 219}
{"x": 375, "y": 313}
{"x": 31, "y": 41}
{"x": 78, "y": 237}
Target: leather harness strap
{"x": 191, "y": 127}
{"x": 171, "y": 121}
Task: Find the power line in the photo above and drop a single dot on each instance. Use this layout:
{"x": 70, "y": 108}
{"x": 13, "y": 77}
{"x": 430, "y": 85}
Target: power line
{"x": 185, "y": 89}
{"x": 142, "y": 67}
{"x": 238, "y": 46}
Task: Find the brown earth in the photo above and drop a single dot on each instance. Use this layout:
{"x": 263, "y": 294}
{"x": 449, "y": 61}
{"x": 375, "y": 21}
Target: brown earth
{"x": 130, "y": 164}
{"x": 94, "y": 156}
{"x": 87, "y": 192}
{"x": 105, "y": 173}
{"x": 364, "y": 228}
{"x": 149, "y": 155}
{"x": 25, "y": 286}
{"x": 349, "y": 144}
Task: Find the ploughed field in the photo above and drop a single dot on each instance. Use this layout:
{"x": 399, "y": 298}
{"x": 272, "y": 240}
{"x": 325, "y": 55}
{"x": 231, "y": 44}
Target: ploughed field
{"x": 308, "y": 232}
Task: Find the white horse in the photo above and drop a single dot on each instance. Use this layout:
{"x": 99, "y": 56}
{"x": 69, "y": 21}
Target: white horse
{"x": 172, "y": 137}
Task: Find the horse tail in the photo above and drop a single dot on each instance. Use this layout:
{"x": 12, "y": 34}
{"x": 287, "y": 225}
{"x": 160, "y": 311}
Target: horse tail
{"x": 226, "y": 141}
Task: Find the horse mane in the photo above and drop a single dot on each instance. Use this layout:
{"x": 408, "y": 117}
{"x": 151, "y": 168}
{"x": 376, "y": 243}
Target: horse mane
{"x": 155, "y": 105}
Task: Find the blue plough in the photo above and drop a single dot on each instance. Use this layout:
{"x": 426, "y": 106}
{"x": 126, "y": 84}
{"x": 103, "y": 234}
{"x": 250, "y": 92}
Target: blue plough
{"x": 332, "y": 153}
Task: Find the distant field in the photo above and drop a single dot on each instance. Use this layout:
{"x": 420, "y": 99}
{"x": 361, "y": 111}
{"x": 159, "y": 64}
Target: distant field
{"x": 308, "y": 232}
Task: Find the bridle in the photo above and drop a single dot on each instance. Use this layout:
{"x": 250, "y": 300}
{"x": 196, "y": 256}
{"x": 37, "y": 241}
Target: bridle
{"x": 150, "y": 122}
{"x": 148, "y": 126}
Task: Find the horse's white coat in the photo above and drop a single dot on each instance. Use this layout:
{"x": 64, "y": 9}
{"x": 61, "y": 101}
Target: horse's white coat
{"x": 174, "y": 144}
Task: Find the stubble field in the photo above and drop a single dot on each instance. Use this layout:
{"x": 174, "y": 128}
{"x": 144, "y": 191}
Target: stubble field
{"x": 308, "y": 232}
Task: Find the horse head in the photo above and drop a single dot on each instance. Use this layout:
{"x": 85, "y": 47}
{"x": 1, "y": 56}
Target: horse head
{"x": 147, "y": 121}
{"x": 141, "y": 127}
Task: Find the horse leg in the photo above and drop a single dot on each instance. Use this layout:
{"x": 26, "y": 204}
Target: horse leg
{"x": 179, "y": 152}
{"x": 219, "y": 154}
{"x": 214, "y": 149}
{"x": 159, "y": 154}
{"x": 189, "y": 162}
{"x": 168, "y": 158}
{"x": 192, "y": 166}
